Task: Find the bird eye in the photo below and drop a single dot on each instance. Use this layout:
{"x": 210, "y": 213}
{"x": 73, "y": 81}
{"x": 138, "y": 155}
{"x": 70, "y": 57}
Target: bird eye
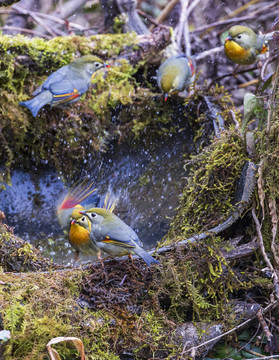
{"x": 83, "y": 218}
{"x": 93, "y": 215}
{"x": 97, "y": 64}
{"x": 239, "y": 37}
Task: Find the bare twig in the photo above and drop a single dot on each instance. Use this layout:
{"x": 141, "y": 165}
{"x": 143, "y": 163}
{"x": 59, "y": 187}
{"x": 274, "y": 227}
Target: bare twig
{"x": 148, "y": 17}
{"x": 241, "y": 9}
{"x": 186, "y": 27}
{"x": 274, "y": 222}
{"x": 266, "y": 259}
{"x": 264, "y": 324}
{"x": 220, "y": 23}
{"x": 209, "y": 52}
{"x": 260, "y": 184}
{"x": 45, "y": 16}
{"x": 165, "y": 13}
{"x": 243, "y": 71}
{"x": 191, "y": 7}
{"x": 248, "y": 83}
{"x": 236, "y": 19}
{"x": 69, "y": 8}
{"x": 236, "y": 328}
{"x": 260, "y": 237}
{"x": 27, "y": 31}
{"x": 24, "y": 10}
{"x": 263, "y": 68}
{"x": 178, "y": 32}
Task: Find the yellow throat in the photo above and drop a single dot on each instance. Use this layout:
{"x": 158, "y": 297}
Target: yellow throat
{"x": 78, "y": 235}
{"x": 235, "y": 52}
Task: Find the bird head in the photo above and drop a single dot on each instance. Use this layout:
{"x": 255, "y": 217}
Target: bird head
{"x": 81, "y": 220}
{"x": 96, "y": 215}
{"x": 90, "y": 63}
{"x": 242, "y": 35}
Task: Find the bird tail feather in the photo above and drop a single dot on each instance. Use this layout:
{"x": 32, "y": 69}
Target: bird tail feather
{"x": 146, "y": 257}
{"x": 34, "y": 105}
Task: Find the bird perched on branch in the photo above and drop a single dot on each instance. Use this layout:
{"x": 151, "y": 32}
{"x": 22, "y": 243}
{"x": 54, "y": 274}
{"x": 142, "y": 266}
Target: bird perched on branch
{"x": 113, "y": 236}
{"x": 175, "y": 75}
{"x": 243, "y": 45}
{"x": 66, "y": 85}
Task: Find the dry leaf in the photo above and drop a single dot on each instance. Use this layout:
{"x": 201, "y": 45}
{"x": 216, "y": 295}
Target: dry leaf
{"x": 76, "y": 341}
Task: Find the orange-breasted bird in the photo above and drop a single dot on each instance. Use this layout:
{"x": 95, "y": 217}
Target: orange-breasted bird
{"x": 243, "y": 45}
{"x": 113, "y": 236}
{"x": 77, "y": 226}
{"x": 66, "y": 85}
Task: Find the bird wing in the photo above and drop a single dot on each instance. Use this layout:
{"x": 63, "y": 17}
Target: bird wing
{"x": 68, "y": 89}
{"x": 118, "y": 234}
{"x": 65, "y": 84}
{"x": 59, "y": 75}
{"x": 64, "y": 91}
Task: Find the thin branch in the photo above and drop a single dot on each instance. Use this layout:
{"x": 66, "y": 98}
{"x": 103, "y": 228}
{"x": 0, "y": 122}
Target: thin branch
{"x": 209, "y": 52}
{"x": 266, "y": 259}
{"x": 249, "y": 83}
{"x": 186, "y": 27}
{"x": 243, "y": 71}
{"x": 165, "y": 13}
{"x": 148, "y": 17}
{"x": 236, "y": 328}
{"x": 191, "y": 7}
{"x": 24, "y": 10}
{"x": 178, "y": 31}
{"x": 46, "y": 16}
{"x": 274, "y": 222}
{"x": 241, "y": 9}
{"x": 28, "y": 31}
{"x": 68, "y": 9}
{"x": 219, "y": 23}
{"x": 260, "y": 237}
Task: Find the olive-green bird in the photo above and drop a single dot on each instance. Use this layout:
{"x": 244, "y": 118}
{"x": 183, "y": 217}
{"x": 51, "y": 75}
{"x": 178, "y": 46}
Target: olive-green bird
{"x": 243, "y": 45}
{"x": 66, "y": 85}
{"x": 175, "y": 74}
{"x": 113, "y": 236}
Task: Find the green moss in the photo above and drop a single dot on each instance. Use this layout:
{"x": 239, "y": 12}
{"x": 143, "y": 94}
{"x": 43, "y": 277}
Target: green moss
{"x": 207, "y": 197}
{"x": 267, "y": 147}
{"x": 36, "y": 311}
{"x": 52, "y": 136}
